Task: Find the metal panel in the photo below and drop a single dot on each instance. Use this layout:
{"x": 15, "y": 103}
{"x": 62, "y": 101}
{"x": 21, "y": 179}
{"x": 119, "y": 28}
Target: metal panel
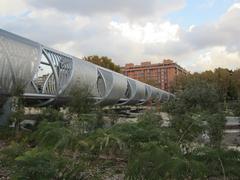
{"x": 156, "y": 95}
{"x": 85, "y": 76}
{"x": 136, "y": 92}
{"x": 19, "y": 59}
{"x": 148, "y": 93}
{"x": 165, "y": 97}
{"x": 115, "y": 85}
{"x": 53, "y": 75}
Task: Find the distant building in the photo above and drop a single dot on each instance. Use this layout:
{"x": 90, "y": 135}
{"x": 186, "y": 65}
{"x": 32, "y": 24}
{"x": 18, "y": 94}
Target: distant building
{"x": 160, "y": 74}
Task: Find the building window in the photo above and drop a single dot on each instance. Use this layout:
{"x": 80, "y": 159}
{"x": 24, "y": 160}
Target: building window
{"x": 140, "y": 74}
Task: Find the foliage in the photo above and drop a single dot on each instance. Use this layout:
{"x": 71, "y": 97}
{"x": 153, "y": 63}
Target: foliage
{"x": 37, "y": 164}
{"x": 236, "y": 81}
{"x": 150, "y": 118}
{"x": 76, "y": 144}
{"x": 106, "y": 142}
{"x": 9, "y": 153}
{"x": 219, "y": 162}
{"x": 216, "y": 124}
{"x": 17, "y": 116}
{"x": 188, "y": 127}
{"x": 226, "y": 82}
{"x": 151, "y": 82}
{"x": 198, "y": 96}
{"x": 51, "y": 114}
{"x": 81, "y": 101}
{"x": 156, "y": 161}
{"x": 103, "y": 61}
{"x": 197, "y": 110}
{"x": 54, "y": 135}
{"x": 6, "y": 133}
{"x": 18, "y": 89}
{"x": 3, "y": 100}
{"x": 235, "y": 107}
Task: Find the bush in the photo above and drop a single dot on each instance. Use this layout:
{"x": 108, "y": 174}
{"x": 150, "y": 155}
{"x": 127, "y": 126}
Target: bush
{"x": 155, "y": 161}
{"x": 51, "y": 115}
{"x": 215, "y": 127}
{"x": 9, "y": 153}
{"x": 37, "y": 164}
{"x": 187, "y": 126}
{"x": 54, "y": 135}
{"x": 81, "y": 101}
{"x": 220, "y": 163}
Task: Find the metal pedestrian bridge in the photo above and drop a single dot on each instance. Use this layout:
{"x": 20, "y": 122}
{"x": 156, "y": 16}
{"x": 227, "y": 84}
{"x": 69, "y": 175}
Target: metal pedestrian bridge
{"x": 47, "y": 76}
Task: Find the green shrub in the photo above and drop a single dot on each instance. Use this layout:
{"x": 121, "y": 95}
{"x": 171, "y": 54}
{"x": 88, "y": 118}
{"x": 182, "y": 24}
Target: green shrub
{"x": 9, "y": 153}
{"x": 37, "y": 164}
{"x": 219, "y": 162}
{"x": 155, "y": 161}
{"x": 51, "y": 115}
{"x": 81, "y": 101}
{"x": 215, "y": 127}
{"x": 54, "y": 135}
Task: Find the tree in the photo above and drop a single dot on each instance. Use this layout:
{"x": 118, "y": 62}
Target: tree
{"x": 236, "y": 81}
{"x": 215, "y": 128}
{"x": 195, "y": 111}
{"x": 103, "y": 61}
{"x": 82, "y": 108}
{"x": 18, "y": 111}
{"x": 81, "y": 101}
{"x": 197, "y": 95}
{"x": 222, "y": 78}
{"x": 151, "y": 82}
{"x": 225, "y": 81}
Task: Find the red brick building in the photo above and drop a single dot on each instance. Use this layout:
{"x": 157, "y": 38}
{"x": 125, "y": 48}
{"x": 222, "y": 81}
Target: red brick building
{"x": 160, "y": 74}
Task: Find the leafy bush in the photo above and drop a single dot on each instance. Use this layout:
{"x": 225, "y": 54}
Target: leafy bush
{"x": 187, "y": 126}
{"x": 216, "y": 124}
{"x": 150, "y": 118}
{"x": 219, "y": 162}
{"x": 235, "y": 106}
{"x": 54, "y": 135}
{"x": 6, "y": 133}
{"x": 156, "y": 161}
{"x": 37, "y": 164}
{"x": 9, "y": 153}
{"x": 81, "y": 101}
{"x": 51, "y": 115}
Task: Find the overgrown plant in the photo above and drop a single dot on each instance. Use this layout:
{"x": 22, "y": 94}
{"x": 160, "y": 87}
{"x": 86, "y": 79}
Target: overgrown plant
{"x": 81, "y": 101}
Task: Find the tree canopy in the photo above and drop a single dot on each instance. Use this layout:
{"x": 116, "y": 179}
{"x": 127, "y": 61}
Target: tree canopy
{"x": 103, "y": 61}
{"x": 226, "y": 82}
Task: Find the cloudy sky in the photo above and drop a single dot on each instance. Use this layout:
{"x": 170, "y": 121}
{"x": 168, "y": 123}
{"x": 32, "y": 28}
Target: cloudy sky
{"x": 197, "y": 34}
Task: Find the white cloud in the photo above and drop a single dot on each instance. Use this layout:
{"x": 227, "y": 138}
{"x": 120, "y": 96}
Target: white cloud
{"x": 190, "y": 29}
{"x": 217, "y": 57}
{"x": 234, "y": 7}
{"x": 128, "y": 8}
{"x": 148, "y": 33}
{"x": 12, "y": 7}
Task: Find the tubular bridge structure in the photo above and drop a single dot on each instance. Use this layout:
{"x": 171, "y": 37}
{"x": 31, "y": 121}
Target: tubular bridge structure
{"x": 47, "y": 76}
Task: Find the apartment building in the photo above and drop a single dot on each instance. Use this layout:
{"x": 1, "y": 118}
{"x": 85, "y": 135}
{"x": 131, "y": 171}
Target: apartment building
{"x": 160, "y": 75}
